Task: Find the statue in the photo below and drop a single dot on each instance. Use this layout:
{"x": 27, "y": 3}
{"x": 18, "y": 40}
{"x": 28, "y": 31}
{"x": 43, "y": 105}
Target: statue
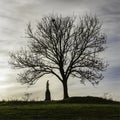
{"x": 47, "y": 93}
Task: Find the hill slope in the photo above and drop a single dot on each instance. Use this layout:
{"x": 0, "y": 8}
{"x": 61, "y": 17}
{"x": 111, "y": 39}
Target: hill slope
{"x": 87, "y": 100}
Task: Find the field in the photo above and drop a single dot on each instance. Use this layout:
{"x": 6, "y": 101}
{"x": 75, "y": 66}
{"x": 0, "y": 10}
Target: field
{"x": 58, "y": 111}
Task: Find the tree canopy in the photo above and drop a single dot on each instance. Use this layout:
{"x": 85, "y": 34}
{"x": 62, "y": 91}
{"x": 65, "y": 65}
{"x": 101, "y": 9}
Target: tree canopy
{"x": 64, "y": 47}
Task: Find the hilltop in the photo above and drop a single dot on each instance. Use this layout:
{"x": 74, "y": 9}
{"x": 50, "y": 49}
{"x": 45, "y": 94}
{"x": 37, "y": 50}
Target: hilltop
{"x": 73, "y": 108}
{"x": 88, "y": 100}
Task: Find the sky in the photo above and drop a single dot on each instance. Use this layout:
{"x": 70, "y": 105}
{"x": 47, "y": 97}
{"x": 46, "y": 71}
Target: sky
{"x": 14, "y": 17}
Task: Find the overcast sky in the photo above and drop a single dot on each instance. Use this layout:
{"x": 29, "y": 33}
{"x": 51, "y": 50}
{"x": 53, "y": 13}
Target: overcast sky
{"x": 14, "y": 17}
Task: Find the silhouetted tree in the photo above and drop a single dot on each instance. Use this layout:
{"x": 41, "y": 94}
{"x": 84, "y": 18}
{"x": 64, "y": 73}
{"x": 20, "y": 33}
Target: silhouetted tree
{"x": 26, "y": 96}
{"x": 64, "y": 47}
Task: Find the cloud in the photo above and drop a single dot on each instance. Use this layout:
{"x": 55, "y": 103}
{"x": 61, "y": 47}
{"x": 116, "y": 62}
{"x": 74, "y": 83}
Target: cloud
{"x": 15, "y": 14}
{"x": 112, "y": 8}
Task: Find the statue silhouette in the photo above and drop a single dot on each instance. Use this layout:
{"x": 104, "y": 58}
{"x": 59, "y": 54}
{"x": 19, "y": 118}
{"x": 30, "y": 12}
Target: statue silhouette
{"x": 47, "y": 93}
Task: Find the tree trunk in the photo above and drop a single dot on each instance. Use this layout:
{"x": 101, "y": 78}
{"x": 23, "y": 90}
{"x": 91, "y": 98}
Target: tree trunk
{"x": 65, "y": 90}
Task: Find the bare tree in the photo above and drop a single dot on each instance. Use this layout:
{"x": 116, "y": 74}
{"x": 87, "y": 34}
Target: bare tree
{"x": 26, "y": 96}
{"x": 64, "y": 47}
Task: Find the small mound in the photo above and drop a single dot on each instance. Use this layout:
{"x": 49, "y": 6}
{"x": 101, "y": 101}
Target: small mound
{"x": 88, "y": 99}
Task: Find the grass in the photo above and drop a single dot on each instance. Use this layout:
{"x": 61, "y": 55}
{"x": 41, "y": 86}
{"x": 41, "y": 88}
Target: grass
{"x": 18, "y": 110}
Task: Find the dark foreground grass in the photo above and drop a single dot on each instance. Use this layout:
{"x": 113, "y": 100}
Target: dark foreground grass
{"x": 58, "y": 111}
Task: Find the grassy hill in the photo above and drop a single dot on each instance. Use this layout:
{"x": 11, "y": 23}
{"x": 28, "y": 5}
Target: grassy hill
{"x": 75, "y": 108}
{"x": 88, "y": 100}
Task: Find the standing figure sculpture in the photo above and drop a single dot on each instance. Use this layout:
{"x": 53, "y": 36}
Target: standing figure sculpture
{"x": 47, "y": 93}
